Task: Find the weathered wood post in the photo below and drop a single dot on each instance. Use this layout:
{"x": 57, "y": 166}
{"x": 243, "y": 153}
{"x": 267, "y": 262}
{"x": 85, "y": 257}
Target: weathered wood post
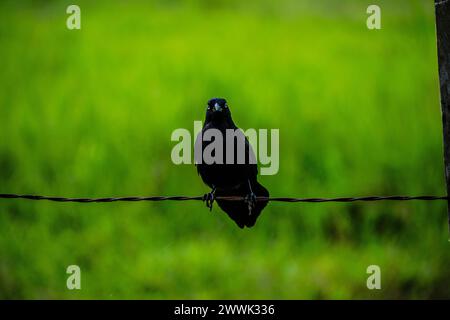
{"x": 442, "y": 8}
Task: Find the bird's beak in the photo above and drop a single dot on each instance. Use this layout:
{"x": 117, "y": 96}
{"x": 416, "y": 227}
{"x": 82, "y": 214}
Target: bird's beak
{"x": 217, "y": 107}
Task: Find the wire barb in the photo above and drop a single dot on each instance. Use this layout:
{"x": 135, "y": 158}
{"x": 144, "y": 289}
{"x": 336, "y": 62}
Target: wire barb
{"x": 231, "y": 198}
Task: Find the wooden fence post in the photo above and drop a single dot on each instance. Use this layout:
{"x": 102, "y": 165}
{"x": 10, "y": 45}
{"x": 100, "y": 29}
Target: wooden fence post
{"x": 442, "y": 8}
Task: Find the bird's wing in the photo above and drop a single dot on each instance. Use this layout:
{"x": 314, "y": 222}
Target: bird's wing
{"x": 250, "y": 155}
{"x": 198, "y": 148}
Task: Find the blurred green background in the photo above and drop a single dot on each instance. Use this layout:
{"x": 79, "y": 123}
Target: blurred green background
{"x": 90, "y": 113}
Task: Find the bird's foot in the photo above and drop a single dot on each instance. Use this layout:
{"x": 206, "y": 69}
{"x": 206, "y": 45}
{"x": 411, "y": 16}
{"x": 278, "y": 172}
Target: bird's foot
{"x": 209, "y": 198}
{"x": 250, "y": 200}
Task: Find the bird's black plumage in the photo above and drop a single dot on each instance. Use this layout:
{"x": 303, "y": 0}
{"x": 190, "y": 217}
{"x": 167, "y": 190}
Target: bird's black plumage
{"x": 238, "y": 178}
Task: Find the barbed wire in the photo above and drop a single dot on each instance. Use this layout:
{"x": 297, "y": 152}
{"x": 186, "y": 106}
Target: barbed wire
{"x": 228, "y": 198}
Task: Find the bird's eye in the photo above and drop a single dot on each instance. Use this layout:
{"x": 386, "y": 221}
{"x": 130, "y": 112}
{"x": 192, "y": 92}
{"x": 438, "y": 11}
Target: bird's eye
{"x": 226, "y": 106}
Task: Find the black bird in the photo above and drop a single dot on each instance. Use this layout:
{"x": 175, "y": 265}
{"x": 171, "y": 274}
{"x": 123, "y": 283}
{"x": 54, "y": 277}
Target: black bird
{"x": 237, "y": 178}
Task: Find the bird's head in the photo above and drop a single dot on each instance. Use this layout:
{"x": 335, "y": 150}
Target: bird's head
{"x": 217, "y": 110}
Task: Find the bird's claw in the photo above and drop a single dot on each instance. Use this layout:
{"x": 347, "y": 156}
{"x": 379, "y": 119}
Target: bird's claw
{"x": 250, "y": 199}
{"x": 209, "y": 198}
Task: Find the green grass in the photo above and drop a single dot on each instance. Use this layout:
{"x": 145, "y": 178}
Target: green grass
{"x": 90, "y": 113}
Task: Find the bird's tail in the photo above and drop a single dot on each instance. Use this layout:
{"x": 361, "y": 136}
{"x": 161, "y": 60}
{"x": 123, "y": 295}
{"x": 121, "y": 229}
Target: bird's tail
{"x": 238, "y": 211}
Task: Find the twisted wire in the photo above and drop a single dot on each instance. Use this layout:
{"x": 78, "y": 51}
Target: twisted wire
{"x": 229, "y": 198}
